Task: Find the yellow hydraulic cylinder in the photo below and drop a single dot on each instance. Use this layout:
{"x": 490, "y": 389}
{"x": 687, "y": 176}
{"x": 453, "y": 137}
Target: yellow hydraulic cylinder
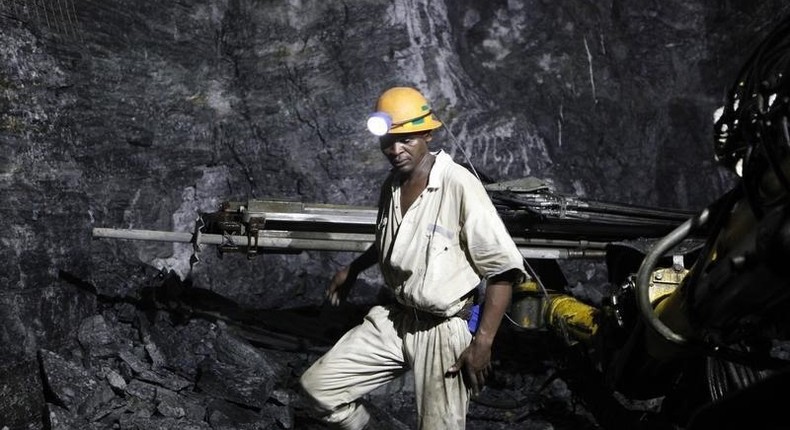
{"x": 564, "y": 314}
{"x": 536, "y": 308}
{"x": 571, "y": 318}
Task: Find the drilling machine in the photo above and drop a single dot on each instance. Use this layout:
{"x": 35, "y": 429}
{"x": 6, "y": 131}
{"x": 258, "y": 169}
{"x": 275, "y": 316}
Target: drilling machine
{"x": 543, "y": 224}
{"x": 710, "y": 341}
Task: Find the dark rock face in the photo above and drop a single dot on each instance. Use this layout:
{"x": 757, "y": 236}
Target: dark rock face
{"x": 132, "y": 387}
{"x": 142, "y": 114}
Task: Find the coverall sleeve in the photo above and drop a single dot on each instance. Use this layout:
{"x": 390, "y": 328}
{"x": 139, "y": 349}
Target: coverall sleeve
{"x": 489, "y": 246}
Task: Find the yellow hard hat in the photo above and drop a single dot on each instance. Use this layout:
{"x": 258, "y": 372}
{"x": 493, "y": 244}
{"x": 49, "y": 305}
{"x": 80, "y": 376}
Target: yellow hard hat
{"x": 402, "y": 110}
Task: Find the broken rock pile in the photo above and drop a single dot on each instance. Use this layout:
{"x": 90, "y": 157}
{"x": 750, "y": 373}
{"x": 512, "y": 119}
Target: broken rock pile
{"x": 140, "y": 370}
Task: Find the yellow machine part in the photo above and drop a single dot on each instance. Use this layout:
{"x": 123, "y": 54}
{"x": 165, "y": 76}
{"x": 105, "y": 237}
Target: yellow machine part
{"x": 562, "y": 313}
{"x": 670, "y": 307}
{"x": 534, "y": 308}
{"x": 664, "y": 282}
{"x": 572, "y": 318}
{"x": 526, "y": 308}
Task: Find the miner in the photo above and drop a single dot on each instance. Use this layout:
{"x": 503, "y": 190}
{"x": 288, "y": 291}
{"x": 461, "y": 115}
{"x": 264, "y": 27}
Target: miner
{"x": 437, "y": 236}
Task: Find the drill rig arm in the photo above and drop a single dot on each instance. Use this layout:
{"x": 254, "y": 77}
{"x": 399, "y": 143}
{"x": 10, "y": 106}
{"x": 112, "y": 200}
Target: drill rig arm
{"x": 270, "y": 225}
{"x": 543, "y": 224}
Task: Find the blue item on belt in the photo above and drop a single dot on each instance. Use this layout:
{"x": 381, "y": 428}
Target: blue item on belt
{"x": 473, "y": 320}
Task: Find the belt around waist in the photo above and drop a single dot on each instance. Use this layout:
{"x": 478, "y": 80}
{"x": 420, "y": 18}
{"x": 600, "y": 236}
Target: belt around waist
{"x": 466, "y": 312}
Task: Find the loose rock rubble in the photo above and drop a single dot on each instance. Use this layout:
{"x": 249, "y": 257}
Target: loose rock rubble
{"x": 147, "y": 373}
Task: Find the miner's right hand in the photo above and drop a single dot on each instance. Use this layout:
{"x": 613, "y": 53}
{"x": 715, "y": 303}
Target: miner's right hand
{"x": 341, "y": 285}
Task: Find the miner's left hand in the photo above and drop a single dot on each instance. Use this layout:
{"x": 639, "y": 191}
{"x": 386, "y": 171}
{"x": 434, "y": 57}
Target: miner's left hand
{"x": 475, "y": 363}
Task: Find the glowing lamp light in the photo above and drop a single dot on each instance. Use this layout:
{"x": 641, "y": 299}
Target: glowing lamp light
{"x": 379, "y": 123}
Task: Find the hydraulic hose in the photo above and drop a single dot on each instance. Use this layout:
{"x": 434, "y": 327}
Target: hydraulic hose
{"x": 648, "y": 265}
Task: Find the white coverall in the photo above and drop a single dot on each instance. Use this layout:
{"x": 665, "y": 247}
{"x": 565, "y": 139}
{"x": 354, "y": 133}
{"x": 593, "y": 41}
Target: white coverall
{"x": 431, "y": 257}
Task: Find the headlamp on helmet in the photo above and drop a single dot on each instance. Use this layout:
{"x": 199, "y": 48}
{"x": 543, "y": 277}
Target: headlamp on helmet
{"x": 379, "y": 123}
{"x": 402, "y": 110}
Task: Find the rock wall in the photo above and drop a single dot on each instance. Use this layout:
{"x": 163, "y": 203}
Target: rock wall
{"x": 142, "y": 114}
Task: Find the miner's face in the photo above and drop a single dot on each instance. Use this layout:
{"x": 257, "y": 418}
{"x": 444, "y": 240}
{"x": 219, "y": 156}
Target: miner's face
{"x": 405, "y": 151}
